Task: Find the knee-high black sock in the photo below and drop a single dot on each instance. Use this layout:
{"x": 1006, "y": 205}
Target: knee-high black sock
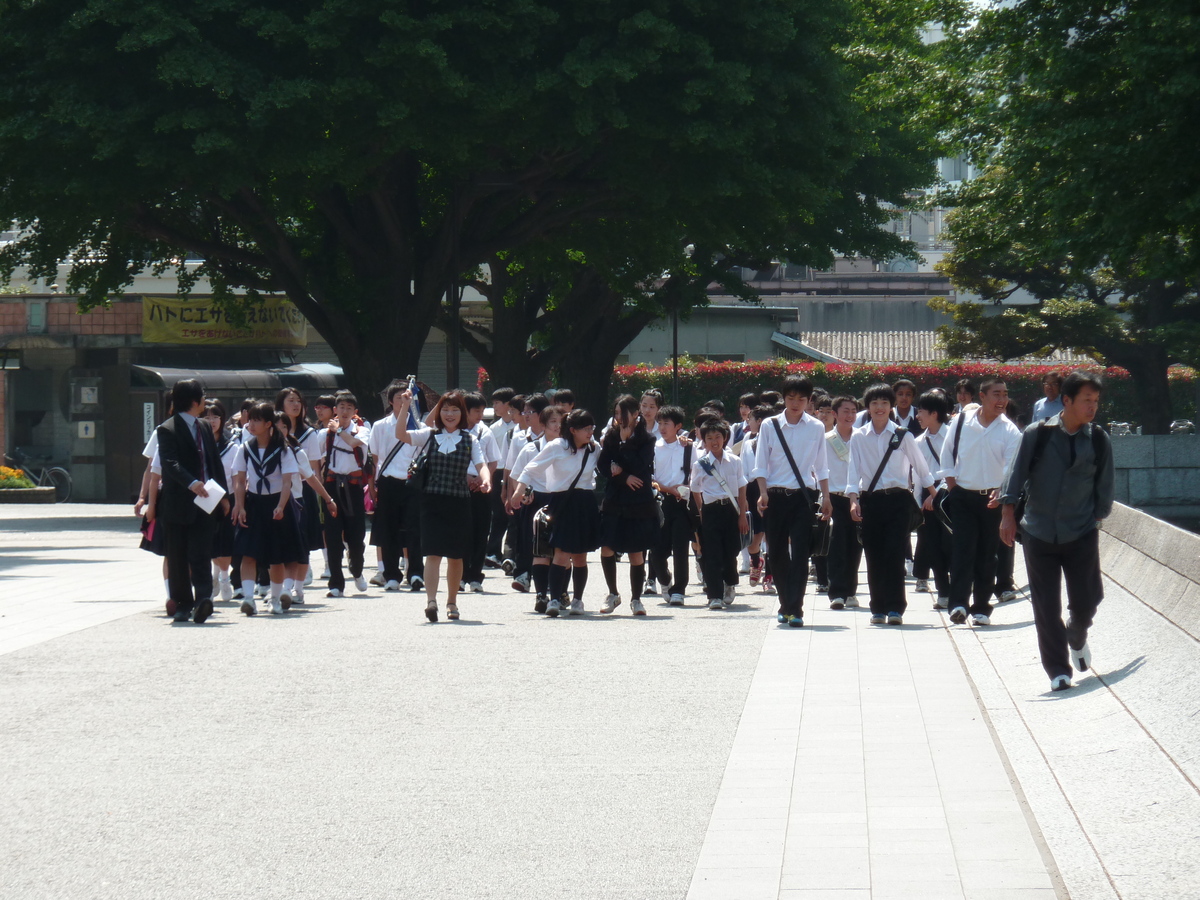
{"x": 557, "y": 581}
{"x": 608, "y": 565}
{"x": 756, "y": 559}
{"x": 637, "y": 581}
{"x": 541, "y": 577}
{"x": 579, "y": 580}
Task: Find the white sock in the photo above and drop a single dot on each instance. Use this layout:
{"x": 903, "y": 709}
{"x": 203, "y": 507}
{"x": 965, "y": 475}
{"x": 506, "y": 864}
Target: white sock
{"x": 325, "y": 555}
{"x": 379, "y": 567}
{"x": 746, "y": 557}
{"x": 276, "y": 590}
{"x": 288, "y": 584}
{"x": 298, "y": 591}
{"x": 167, "y": 585}
{"x": 248, "y": 588}
{"x": 222, "y": 577}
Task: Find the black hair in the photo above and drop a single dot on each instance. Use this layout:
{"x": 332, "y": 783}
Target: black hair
{"x": 990, "y": 382}
{"x": 965, "y": 384}
{"x": 1055, "y": 377}
{"x": 517, "y": 402}
{"x": 346, "y": 397}
{"x": 936, "y": 402}
{"x": 295, "y": 426}
{"x": 762, "y": 411}
{"x": 503, "y": 395}
{"x": 796, "y": 384}
{"x": 903, "y": 382}
{"x": 823, "y": 401}
{"x": 879, "y": 392}
{"x": 656, "y": 395}
{"x": 704, "y": 414}
{"x": 396, "y": 387}
{"x": 749, "y": 399}
{"x": 839, "y": 400}
{"x": 576, "y": 418}
{"x": 186, "y": 394}
{"x": 717, "y": 405}
{"x": 264, "y": 411}
{"x": 717, "y": 426}
{"x": 536, "y": 403}
{"x": 770, "y": 398}
{"x": 670, "y": 414}
{"x": 474, "y": 400}
{"x": 564, "y": 396}
{"x": 1078, "y": 380}
{"x": 628, "y": 405}
{"x": 550, "y": 412}
{"x": 217, "y": 408}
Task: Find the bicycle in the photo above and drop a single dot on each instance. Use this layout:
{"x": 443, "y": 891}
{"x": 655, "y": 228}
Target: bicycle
{"x": 49, "y": 476}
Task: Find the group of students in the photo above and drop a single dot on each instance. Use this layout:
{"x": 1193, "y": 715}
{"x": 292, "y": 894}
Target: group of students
{"x": 801, "y": 480}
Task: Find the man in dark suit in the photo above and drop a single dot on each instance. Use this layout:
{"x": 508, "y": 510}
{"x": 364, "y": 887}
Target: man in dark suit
{"x": 188, "y": 455}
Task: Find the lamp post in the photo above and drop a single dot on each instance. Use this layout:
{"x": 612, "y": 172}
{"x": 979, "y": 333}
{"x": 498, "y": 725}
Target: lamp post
{"x": 675, "y": 356}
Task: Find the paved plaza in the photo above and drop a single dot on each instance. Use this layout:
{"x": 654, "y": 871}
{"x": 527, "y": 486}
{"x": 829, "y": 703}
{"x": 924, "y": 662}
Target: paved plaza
{"x": 351, "y": 750}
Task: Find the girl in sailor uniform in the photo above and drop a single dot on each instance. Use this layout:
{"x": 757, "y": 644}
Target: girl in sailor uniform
{"x": 306, "y": 513}
{"x": 449, "y": 455}
{"x": 569, "y": 467}
{"x": 629, "y": 513}
{"x": 525, "y": 513}
{"x": 215, "y": 416}
{"x": 266, "y": 529}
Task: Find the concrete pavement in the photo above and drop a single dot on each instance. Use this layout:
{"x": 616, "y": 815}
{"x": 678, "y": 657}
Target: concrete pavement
{"x": 351, "y": 750}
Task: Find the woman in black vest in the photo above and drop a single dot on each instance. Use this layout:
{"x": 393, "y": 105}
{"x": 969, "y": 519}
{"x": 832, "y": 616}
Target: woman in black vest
{"x": 448, "y": 454}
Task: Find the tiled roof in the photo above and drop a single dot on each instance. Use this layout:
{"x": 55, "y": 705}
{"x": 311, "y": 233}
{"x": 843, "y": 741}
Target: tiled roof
{"x": 899, "y": 346}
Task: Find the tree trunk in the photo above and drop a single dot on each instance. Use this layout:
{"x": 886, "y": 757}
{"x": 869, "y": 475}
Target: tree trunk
{"x": 1148, "y": 368}
{"x": 588, "y": 369}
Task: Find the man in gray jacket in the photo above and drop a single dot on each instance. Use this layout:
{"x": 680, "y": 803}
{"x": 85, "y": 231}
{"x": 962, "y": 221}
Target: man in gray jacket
{"x": 1064, "y": 468}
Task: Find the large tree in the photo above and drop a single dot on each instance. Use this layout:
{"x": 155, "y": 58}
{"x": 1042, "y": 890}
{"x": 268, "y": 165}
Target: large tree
{"x": 360, "y": 156}
{"x": 1084, "y": 119}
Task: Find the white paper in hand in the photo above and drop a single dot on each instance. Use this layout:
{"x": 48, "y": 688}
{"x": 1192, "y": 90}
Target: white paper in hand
{"x": 215, "y": 493}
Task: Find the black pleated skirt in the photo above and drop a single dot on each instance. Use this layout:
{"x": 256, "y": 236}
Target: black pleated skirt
{"x": 629, "y": 530}
{"x": 575, "y": 521}
{"x": 267, "y": 540}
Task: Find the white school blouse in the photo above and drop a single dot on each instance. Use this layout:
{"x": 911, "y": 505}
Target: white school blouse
{"x": 837, "y": 454}
{"x": 489, "y": 450}
{"x": 273, "y": 483}
{"x": 305, "y": 471}
{"x": 806, "y": 439}
{"x": 867, "y": 450}
{"x": 668, "y": 462}
{"x": 560, "y": 466}
{"x": 536, "y": 481}
{"x": 983, "y": 452}
{"x": 730, "y": 468}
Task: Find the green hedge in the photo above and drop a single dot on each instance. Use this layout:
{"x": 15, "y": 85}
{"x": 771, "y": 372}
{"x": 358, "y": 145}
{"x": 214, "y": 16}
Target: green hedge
{"x": 727, "y": 381}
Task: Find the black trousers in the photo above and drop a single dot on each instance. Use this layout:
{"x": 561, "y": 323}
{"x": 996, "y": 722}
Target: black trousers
{"x": 396, "y": 525}
{"x": 789, "y": 537}
{"x": 933, "y": 553}
{"x": 720, "y": 542}
{"x": 501, "y": 520}
{"x": 973, "y": 559}
{"x": 345, "y": 532}
{"x": 1004, "y": 569}
{"x": 1047, "y": 565}
{"x": 674, "y": 542}
{"x": 189, "y": 561}
{"x": 481, "y": 514}
{"x": 885, "y": 535}
{"x": 845, "y": 552}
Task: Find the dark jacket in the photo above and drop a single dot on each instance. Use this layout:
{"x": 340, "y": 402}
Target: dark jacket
{"x": 635, "y": 457}
{"x": 181, "y": 466}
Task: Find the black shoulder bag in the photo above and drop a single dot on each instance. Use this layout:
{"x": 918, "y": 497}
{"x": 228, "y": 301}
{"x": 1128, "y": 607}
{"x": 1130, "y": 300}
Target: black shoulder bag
{"x": 418, "y": 469}
{"x": 822, "y": 529}
{"x": 543, "y": 522}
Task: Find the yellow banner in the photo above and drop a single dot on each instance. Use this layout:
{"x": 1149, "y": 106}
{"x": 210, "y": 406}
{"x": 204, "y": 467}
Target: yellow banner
{"x": 273, "y": 322}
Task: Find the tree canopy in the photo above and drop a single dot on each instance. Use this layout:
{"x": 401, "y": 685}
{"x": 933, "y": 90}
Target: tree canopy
{"x": 1085, "y": 122}
{"x": 361, "y": 157}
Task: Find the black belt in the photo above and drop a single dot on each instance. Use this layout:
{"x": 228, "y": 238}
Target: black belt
{"x": 724, "y": 501}
{"x": 786, "y": 492}
{"x": 895, "y": 490}
{"x": 984, "y": 491}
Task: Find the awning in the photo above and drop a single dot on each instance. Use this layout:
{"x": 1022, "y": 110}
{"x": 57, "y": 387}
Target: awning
{"x": 796, "y": 346}
{"x": 310, "y": 377}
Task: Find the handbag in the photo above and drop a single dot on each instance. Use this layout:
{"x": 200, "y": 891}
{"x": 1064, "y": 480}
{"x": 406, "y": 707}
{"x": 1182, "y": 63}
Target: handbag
{"x": 822, "y": 529}
{"x": 916, "y": 515}
{"x": 418, "y": 469}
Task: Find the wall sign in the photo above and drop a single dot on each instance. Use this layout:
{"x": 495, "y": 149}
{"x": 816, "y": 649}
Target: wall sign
{"x": 273, "y": 322}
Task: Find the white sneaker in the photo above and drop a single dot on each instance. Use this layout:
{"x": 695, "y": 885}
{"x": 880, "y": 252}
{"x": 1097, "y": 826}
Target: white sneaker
{"x": 392, "y": 586}
{"x": 477, "y": 587}
{"x": 635, "y": 607}
{"x": 377, "y": 579}
{"x": 852, "y": 602}
{"x": 716, "y": 603}
{"x": 298, "y": 595}
{"x": 1008, "y": 596}
{"x": 837, "y": 603}
{"x": 744, "y": 567}
{"x": 611, "y": 602}
{"x": 259, "y": 592}
{"x": 276, "y": 606}
{"x": 942, "y": 602}
{"x": 249, "y": 607}
{"x": 908, "y": 567}
{"x": 730, "y": 594}
{"x": 360, "y": 583}
{"x": 308, "y": 579}
{"x": 980, "y": 619}
{"x": 1060, "y": 683}
{"x": 676, "y": 600}
{"x": 333, "y": 592}
{"x": 922, "y": 586}
{"x": 521, "y": 582}
{"x": 577, "y": 607}
{"x": 226, "y": 590}
{"x": 1081, "y": 659}
{"x": 699, "y": 570}
{"x": 325, "y": 574}
{"x": 553, "y": 608}
{"x": 651, "y": 589}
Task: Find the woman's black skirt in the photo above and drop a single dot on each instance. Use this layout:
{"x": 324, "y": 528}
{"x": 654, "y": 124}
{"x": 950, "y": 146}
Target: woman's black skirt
{"x": 223, "y": 537}
{"x": 263, "y": 538}
{"x": 575, "y": 521}
{"x": 153, "y": 537}
{"x": 312, "y": 533}
{"x": 629, "y": 529}
{"x": 445, "y": 526}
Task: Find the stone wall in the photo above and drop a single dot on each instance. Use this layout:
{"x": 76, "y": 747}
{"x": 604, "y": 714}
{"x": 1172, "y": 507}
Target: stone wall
{"x": 1156, "y": 562}
{"x": 1159, "y": 473}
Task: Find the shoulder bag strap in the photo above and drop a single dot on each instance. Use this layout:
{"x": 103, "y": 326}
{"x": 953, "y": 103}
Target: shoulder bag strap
{"x": 892, "y": 445}
{"x": 711, "y": 469}
{"x": 579, "y": 474}
{"x": 388, "y": 460}
{"x": 687, "y": 464}
{"x": 788, "y": 452}
{"x": 962, "y": 417}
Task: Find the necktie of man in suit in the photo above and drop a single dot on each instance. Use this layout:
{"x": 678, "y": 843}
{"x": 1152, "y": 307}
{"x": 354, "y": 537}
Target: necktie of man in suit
{"x": 200, "y": 450}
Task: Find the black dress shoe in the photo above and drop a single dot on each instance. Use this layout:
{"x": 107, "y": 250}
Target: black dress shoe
{"x": 204, "y": 609}
{"x": 182, "y": 615}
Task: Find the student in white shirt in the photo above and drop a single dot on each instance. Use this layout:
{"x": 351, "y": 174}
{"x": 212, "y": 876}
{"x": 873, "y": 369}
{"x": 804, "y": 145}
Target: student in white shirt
{"x": 214, "y": 415}
{"x": 672, "y": 474}
{"x": 522, "y": 559}
{"x": 933, "y": 540}
{"x": 880, "y": 499}
{"x": 786, "y": 489}
{"x": 976, "y": 451}
{"x": 345, "y": 453}
{"x": 306, "y": 489}
{"x": 747, "y": 451}
{"x": 845, "y": 552}
{"x": 266, "y": 527}
{"x": 525, "y": 511}
{"x": 481, "y": 503}
{"x": 569, "y": 465}
{"x": 502, "y": 427}
{"x": 396, "y": 525}
{"x": 718, "y": 478}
